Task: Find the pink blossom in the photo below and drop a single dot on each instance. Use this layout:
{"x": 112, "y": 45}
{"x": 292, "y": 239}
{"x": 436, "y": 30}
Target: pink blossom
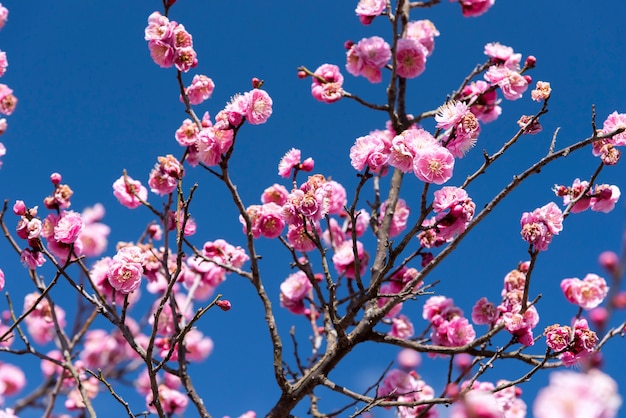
{"x": 326, "y": 84}
{"x": 409, "y": 359}
{"x": 260, "y": 107}
{"x": 293, "y": 291}
{"x": 276, "y": 193}
{"x": 271, "y": 222}
{"x": 477, "y": 403}
{"x": 127, "y": 268}
{"x": 541, "y": 92}
{"x": 187, "y": 134}
{"x": 4, "y": 15}
{"x": 290, "y": 160}
{"x": 484, "y": 312}
{"x": 411, "y": 58}
{"x": 12, "y": 379}
{"x": 433, "y": 165}
{"x": 604, "y": 198}
{"x": 450, "y": 114}
{"x": 172, "y": 401}
{"x": 32, "y": 259}
{"x": 165, "y": 175}
{"x": 197, "y": 346}
{"x": 40, "y": 322}
{"x": 94, "y": 234}
{"x": 539, "y": 226}
{"x": 512, "y": 83}
{"x": 344, "y": 260}
{"x": 337, "y": 199}
{"x": 587, "y": 293}
{"x": 473, "y": 8}
{"x": 424, "y": 32}
{"x": 369, "y": 151}
{"x": 453, "y": 333}
{"x": 68, "y": 227}
{"x": 399, "y": 219}
{"x": 201, "y": 89}
{"x": 421, "y": 391}
{"x": 396, "y": 383}
{"x": 7, "y": 100}
{"x": 401, "y": 327}
{"x": 370, "y": 7}
{"x": 578, "y": 395}
{"x": 3, "y": 63}
{"x": 129, "y": 192}
{"x": 212, "y": 143}
{"x": 613, "y": 122}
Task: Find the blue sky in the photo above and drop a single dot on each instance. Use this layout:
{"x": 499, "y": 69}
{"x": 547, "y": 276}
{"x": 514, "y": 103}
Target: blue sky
{"x": 92, "y": 103}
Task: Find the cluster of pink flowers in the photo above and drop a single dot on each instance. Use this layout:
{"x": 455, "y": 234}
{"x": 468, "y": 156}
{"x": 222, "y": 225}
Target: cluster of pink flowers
{"x": 414, "y": 150}
{"x": 450, "y": 327}
{"x": 504, "y": 72}
{"x": 344, "y": 259}
{"x": 8, "y": 101}
{"x": 172, "y": 400}
{"x": 209, "y": 141}
{"x": 203, "y": 275}
{"x": 573, "y": 343}
{"x": 401, "y": 325}
{"x": 368, "y": 57}
{"x": 587, "y": 293}
{"x": 61, "y": 232}
{"x": 12, "y": 381}
{"x": 540, "y": 225}
{"x": 605, "y": 148}
{"x": 482, "y": 402}
{"x": 578, "y": 395}
{"x": 600, "y": 198}
{"x": 326, "y": 84}
{"x": 293, "y": 291}
{"x": 165, "y": 175}
{"x": 454, "y": 210}
{"x": 93, "y": 237}
{"x": 483, "y": 101}
{"x": 408, "y": 387}
{"x": 169, "y": 43}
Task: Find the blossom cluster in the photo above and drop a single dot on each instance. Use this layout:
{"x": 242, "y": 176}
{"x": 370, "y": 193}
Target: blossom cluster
{"x": 169, "y": 43}
{"x": 450, "y": 327}
{"x": 605, "y": 148}
{"x": 8, "y": 101}
{"x": 599, "y": 198}
{"x": 573, "y": 343}
{"x": 540, "y": 225}
{"x": 407, "y": 387}
{"x": 454, "y": 210}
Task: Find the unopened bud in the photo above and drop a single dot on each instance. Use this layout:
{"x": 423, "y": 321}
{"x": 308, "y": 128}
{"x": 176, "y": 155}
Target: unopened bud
{"x": 531, "y": 61}
{"x": 256, "y": 83}
{"x": 609, "y": 261}
{"x": 55, "y": 178}
{"x": 223, "y": 305}
{"x": 302, "y": 74}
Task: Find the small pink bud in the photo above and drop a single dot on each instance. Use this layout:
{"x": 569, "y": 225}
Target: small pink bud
{"x": 531, "y": 61}
{"x": 256, "y": 83}
{"x": 609, "y": 261}
{"x": 301, "y": 74}
{"x": 307, "y": 165}
{"x": 223, "y": 305}
{"x": 19, "y": 208}
{"x": 528, "y": 79}
{"x": 523, "y": 267}
{"x": 348, "y": 44}
{"x": 427, "y": 258}
{"x": 518, "y": 391}
{"x": 561, "y": 190}
{"x": 452, "y": 390}
{"x": 3, "y": 126}
{"x": 55, "y": 178}
{"x": 170, "y": 2}
{"x": 366, "y": 20}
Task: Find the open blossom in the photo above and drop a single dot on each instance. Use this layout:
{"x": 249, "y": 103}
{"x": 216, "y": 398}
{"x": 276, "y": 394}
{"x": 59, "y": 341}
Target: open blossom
{"x": 68, "y": 227}
{"x": 7, "y": 100}
{"x": 586, "y": 293}
{"x": 473, "y": 8}
{"x": 127, "y": 268}
{"x": 486, "y": 108}
{"x": 12, "y": 379}
{"x": 129, "y": 191}
{"x": 367, "y": 57}
{"x": 578, "y": 395}
{"x": 613, "y": 122}
{"x": 326, "y": 84}
{"x": 574, "y": 343}
{"x": 399, "y": 219}
{"x": 260, "y": 107}
{"x": 511, "y": 83}
{"x": 293, "y": 291}
{"x": 40, "y": 321}
{"x": 4, "y": 15}
{"x": 541, "y": 92}
{"x": 411, "y": 58}
{"x": 165, "y": 175}
{"x": 433, "y": 165}
{"x": 370, "y": 8}
{"x": 201, "y": 89}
